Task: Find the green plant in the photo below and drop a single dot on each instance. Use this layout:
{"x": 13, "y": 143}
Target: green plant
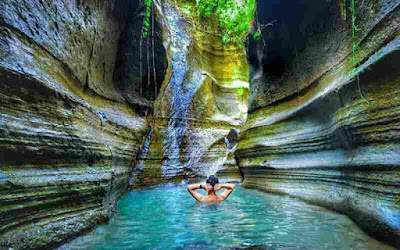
{"x": 146, "y": 21}
{"x": 354, "y": 45}
{"x": 234, "y": 17}
{"x": 257, "y": 35}
{"x": 145, "y": 33}
{"x": 258, "y": 28}
{"x": 240, "y": 91}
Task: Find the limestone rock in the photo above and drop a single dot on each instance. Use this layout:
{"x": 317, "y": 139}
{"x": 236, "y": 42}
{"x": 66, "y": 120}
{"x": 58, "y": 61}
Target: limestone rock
{"x": 204, "y": 96}
{"x": 230, "y": 171}
{"x": 328, "y": 132}
{"x": 141, "y": 62}
{"x": 67, "y": 140}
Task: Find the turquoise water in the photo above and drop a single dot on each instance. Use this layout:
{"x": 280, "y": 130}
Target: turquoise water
{"x": 166, "y": 217}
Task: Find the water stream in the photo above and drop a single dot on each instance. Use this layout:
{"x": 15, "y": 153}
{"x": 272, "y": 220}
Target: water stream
{"x": 166, "y": 217}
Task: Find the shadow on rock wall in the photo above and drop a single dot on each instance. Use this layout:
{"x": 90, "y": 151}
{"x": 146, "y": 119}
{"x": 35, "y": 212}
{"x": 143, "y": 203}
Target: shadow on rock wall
{"x": 324, "y": 127}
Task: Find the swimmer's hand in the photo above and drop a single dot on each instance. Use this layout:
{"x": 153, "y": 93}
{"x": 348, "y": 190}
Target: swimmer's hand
{"x": 192, "y": 188}
{"x": 225, "y": 185}
{"x": 229, "y": 189}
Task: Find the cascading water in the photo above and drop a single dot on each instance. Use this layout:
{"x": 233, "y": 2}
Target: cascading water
{"x": 182, "y": 88}
{"x": 203, "y": 97}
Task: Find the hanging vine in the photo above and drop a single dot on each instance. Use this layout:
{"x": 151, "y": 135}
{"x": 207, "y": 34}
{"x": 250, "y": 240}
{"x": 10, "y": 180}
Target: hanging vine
{"x": 148, "y": 61}
{"x": 141, "y": 64}
{"x": 354, "y": 30}
{"x": 257, "y": 33}
{"x": 146, "y": 21}
{"x": 154, "y": 64}
{"x": 354, "y": 45}
{"x": 146, "y": 33}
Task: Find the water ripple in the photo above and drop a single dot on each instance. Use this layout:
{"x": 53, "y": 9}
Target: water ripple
{"x": 166, "y": 217}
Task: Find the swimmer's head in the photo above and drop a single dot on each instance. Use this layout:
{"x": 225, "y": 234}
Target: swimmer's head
{"x": 212, "y": 180}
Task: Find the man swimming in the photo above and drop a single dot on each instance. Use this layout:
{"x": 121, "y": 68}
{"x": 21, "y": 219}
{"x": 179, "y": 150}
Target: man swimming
{"x": 211, "y": 187}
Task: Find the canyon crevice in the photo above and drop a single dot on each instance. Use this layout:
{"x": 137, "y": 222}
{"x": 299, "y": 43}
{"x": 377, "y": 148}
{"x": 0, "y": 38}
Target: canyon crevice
{"x": 204, "y": 96}
{"x": 90, "y": 108}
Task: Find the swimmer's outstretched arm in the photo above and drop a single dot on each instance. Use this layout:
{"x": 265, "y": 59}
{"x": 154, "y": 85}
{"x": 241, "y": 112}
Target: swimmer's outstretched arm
{"x": 195, "y": 195}
{"x": 229, "y": 189}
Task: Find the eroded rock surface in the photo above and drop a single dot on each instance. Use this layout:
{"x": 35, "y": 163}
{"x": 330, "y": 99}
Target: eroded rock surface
{"x": 69, "y": 138}
{"x": 204, "y": 96}
{"x": 326, "y": 127}
{"x": 141, "y": 62}
{"x": 68, "y": 141}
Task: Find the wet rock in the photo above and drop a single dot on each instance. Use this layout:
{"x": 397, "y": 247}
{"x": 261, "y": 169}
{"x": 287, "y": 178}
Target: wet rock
{"x": 230, "y": 171}
{"x": 327, "y": 130}
{"x": 204, "y": 96}
{"x": 141, "y": 61}
{"x": 80, "y": 35}
{"x": 67, "y": 140}
{"x": 232, "y": 139}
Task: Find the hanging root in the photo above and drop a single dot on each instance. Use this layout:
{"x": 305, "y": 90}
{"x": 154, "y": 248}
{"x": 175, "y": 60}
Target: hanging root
{"x": 148, "y": 61}
{"x": 359, "y": 90}
{"x": 141, "y": 64}
{"x": 154, "y": 64}
{"x": 355, "y": 46}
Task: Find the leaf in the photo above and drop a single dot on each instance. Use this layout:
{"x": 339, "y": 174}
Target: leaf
{"x": 240, "y": 91}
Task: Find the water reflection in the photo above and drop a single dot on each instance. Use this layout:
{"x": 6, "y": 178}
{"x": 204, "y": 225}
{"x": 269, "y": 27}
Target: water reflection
{"x": 168, "y": 218}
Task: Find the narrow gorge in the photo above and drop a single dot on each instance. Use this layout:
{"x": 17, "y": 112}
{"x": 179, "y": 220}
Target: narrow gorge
{"x": 92, "y": 103}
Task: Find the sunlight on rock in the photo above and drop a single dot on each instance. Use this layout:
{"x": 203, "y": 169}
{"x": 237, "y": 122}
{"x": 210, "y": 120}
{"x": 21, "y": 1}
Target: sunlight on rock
{"x": 296, "y": 98}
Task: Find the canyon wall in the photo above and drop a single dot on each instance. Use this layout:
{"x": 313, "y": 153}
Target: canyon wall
{"x": 68, "y": 138}
{"x": 316, "y": 109}
{"x": 203, "y": 97}
{"x": 323, "y": 123}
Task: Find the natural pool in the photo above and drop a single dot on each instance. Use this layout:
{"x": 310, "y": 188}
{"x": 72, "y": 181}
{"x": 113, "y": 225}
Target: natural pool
{"x": 166, "y": 217}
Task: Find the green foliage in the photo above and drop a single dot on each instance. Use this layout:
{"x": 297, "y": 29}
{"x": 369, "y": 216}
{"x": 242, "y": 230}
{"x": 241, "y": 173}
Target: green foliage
{"x": 240, "y": 91}
{"x": 234, "y": 17}
{"x": 354, "y": 30}
{"x": 354, "y": 46}
{"x": 257, "y": 35}
{"x": 146, "y": 21}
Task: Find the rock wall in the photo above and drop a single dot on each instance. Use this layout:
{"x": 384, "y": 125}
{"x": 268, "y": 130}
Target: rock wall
{"x": 230, "y": 171}
{"x": 68, "y": 140}
{"x": 325, "y": 127}
{"x": 204, "y": 95}
{"x": 141, "y": 61}
{"x": 323, "y": 124}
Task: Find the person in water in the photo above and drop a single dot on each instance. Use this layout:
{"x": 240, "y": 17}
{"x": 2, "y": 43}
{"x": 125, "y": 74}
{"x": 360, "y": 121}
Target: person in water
{"x": 211, "y": 187}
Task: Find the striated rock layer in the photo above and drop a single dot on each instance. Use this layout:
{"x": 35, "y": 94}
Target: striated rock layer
{"x": 204, "y": 96}
{"x": 230, "y": 171}
{"x": 331, "y": 136}
{"x": 67, "y": 140}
